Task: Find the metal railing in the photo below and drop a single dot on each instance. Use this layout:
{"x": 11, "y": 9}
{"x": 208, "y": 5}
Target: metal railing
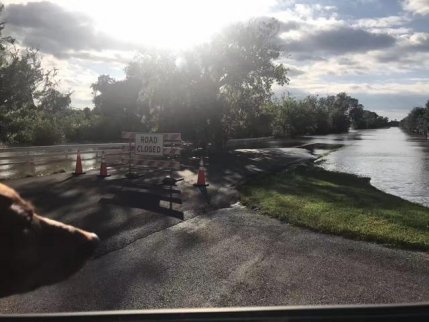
{"x": 18, "y": 162}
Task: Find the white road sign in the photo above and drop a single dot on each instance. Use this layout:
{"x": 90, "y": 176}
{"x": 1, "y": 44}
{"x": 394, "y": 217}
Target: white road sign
{"x": 149, "y": 144}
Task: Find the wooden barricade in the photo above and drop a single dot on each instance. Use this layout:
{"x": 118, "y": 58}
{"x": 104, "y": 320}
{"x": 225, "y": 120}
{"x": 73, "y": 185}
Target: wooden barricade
{"x": 145, "y": 151}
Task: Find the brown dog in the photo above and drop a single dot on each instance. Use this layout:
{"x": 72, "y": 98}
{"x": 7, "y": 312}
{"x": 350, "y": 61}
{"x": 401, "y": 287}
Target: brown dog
{"x": 35, "y": 250}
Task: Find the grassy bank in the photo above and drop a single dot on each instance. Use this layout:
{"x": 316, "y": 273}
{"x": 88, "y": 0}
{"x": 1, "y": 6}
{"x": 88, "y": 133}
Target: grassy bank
{"x": 340, "y": 204}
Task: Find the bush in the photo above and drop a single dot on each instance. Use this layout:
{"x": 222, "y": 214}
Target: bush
{"x": 46, "y": 132}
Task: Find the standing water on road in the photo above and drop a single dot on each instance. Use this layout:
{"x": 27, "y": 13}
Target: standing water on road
{"x": 396, "y": 162}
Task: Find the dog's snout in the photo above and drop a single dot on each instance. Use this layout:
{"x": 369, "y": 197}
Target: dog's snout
{"x": 93, "y": 237}
{"x": 39, "y": 250}
{"x": 89, "y": 243}
{"x": 71, "y": 238}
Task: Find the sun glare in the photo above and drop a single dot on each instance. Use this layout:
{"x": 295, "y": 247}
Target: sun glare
{"x": 165, "y": 23}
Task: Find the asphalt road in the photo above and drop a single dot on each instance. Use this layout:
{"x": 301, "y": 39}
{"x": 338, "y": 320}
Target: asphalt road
{"x": 214, "y": 257}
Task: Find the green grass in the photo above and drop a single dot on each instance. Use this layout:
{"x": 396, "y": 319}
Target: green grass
{"x": 340, "y": 204}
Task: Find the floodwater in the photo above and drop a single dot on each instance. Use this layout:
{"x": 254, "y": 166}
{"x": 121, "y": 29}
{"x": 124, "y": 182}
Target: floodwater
{"x": 396, "y": 162}
{"x": 17, "y": 166}
{"x": 39, "y": 161}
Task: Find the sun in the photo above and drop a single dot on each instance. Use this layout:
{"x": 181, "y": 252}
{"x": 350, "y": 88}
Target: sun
{"x": 166, "y": 23}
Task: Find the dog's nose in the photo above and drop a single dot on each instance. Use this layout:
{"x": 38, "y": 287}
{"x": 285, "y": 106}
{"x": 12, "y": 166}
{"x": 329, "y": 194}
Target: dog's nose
{"x": 93, "y": 237}
{"x": 89, "y": 244}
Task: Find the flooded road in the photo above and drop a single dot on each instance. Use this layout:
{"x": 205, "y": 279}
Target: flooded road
{"x": 396, "y": 162}
{"x": 19, "y": 162}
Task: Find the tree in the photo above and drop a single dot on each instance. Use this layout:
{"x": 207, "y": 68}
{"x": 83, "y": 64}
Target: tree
{"x": 216, "y": 91}
{"x": 5, "y": 42}
{"x": 416, "y": 121}
{"x": 116, "y": 103}
{"x": 356, "y": 116}
{"x": 294, "y": 117}
{"x": 30, "y": 102}
{"x": 339, "y": 112}
{"x": 243, "y": 61}
{"x": 54, "y": 102}
{"x": 99, "y": 88}
{"x": 321, "y": 115}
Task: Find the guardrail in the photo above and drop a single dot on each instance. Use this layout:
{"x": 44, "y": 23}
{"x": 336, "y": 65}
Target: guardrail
{"x": 18, "y": 162}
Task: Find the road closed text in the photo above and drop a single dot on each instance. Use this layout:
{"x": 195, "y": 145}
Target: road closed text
{"x": 149, "y": 144}
{"x": 149, "y": 149}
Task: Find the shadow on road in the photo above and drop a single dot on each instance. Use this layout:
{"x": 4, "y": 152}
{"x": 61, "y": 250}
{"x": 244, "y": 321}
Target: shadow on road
{"x": 205, "y": 194}
{"x": 121, "y": 210}
{"x": 142, "y": 200}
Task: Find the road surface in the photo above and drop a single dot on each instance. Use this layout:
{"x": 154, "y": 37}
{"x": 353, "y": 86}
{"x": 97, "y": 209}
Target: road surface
{"x": 219, "y": 255}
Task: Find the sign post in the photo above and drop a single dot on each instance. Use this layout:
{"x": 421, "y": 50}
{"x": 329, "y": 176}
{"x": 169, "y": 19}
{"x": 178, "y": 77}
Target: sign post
{"x": 130, "y": 170}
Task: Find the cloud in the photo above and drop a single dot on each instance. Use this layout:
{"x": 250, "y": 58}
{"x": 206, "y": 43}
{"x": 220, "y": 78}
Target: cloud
{"x": 54, "y": 30}
{"x": 394, "y": 105}
{"x": 70, "y": 43}
{"x": 294, "y": 71}
{"x": 411, "y": 51}
{"x": 107, "y": 57}
{"x": 338, "y": 40}
{"x": 382, "y": 22}
{"x": 369, "y": 48}
{"x": 288, "y": 26}
{"x": 419, "y": 41}
{"x": 420, "y": 7}
{"x": 374, "y": 55}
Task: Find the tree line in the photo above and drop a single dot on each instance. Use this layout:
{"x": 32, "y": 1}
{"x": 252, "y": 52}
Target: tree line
{"x": 417, "y": 120}
{"x": 322, "y": 115}
{"x": 219, "y": 90}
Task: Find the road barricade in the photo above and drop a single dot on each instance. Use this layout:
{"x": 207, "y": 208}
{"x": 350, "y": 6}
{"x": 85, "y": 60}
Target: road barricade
{"x": 151, "y": 151}
{"x": 147, "y": 151}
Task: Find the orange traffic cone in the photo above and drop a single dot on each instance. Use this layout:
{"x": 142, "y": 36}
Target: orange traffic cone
{"x": 78, "y": 170}
{"x": 201, "y": 181}
{"x": 103, "y": 167}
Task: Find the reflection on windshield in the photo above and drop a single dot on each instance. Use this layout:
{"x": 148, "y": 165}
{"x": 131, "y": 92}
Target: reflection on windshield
{"x": 188, "y": 154}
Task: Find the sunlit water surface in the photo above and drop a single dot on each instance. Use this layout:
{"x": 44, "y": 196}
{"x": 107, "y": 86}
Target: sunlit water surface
{"x": 396, "y": 162}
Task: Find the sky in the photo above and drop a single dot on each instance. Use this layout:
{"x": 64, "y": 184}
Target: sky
{"x": 375, "y": 50}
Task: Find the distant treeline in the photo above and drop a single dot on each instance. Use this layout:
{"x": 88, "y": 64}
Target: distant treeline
{"x": 217, "y": 91}
{"x": 322, "y": 115}
{"x": 417, "y": 121}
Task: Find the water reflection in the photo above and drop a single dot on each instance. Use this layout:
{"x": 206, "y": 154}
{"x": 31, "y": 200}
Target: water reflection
{"x": 396, "y": 162}
{"x": 11, "y": 166}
